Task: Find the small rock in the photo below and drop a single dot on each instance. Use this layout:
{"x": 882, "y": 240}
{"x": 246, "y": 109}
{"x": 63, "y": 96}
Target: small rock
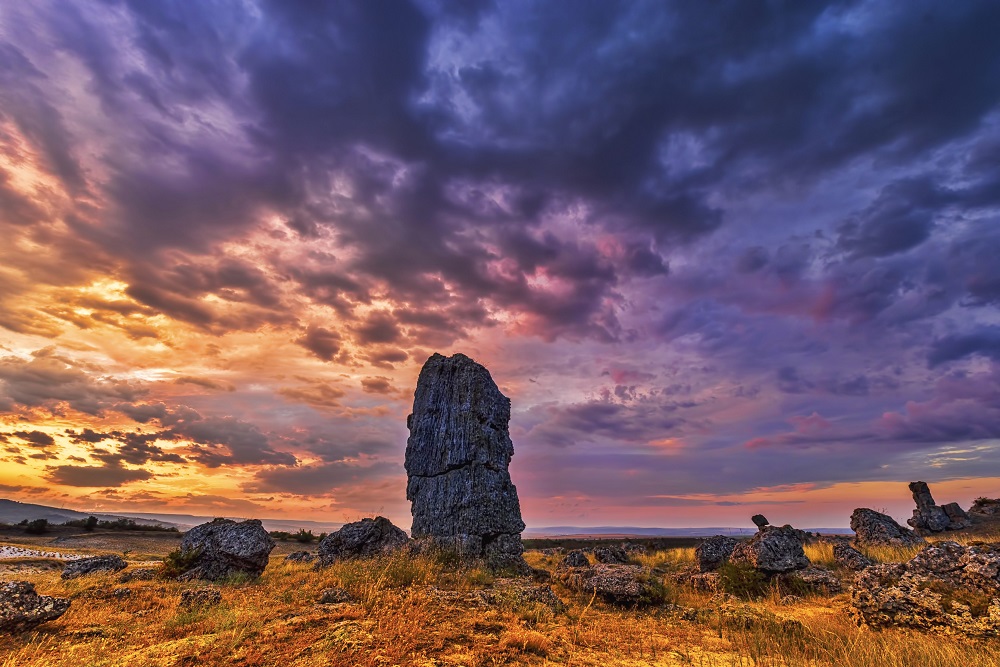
{"x": 300, "y": 557}
{"x": 612, "y": 555}
{"x": 21, "y": 608}
{"x": 759, "y": 520}
{"x": 714, "y": 551}
{"x": 368, "y": 537}
{"x": 774, "y": 549}
{"x": 516, "y": 592}
{"x": 334, "y": 596}
{"x": 985, "y": 507}
{"x": 622, "y": 584}
{"x": 86, "y": 566}
{"x": 575, "y": 558}
{"x": 200, "y": 597}
{"x": 139, "y": 574}
{"x": 850, "y": 558}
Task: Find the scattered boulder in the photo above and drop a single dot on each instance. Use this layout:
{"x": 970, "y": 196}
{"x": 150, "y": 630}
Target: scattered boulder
{"x": 850, "y": 558}
{"x": 200, "y": 597}
{"x": 575, "y": 558}
{"x": 929, "y": 518}
{"x": 759, "y": 520}
{"x": 335, "y": 595}
{"x": 516, "y": 592}
{"x": 874, "y": 528}
{"x": 772, "y": 550}
{"x": 985, "y": 507}
{"x": 300, "y": 557}
{"x": 612, "y": 555}
{"x": 21, "y": 608}
{"x": 85, "y": 566}
{"x": 223, "y": 548}
{"x": 622, "y": 584}
{"x": 946, "y": 586}
{"x": 457, "y": 459}
{"x": 361, "y": 539}
{"x": 139, "y": 574}
{"x": 815, "y": 579}
{"x": 714, "y": 551}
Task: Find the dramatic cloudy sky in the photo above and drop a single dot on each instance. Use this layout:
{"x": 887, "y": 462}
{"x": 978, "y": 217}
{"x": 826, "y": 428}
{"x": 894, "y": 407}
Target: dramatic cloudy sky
{"x": 724, "y": 257}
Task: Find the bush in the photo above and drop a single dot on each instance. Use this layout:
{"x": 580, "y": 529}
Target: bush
{"x": 743, "y": 580}
{"x": 36, "y": 527}
{"x": 178, "y": 562}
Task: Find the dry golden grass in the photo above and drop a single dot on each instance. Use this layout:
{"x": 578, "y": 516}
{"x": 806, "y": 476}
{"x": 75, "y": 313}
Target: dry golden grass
{"x": 418, "y": 611}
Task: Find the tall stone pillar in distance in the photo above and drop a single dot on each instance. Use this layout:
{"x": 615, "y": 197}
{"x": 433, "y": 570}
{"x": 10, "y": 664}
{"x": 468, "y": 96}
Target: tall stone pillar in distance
{"x": 456, "y": 463}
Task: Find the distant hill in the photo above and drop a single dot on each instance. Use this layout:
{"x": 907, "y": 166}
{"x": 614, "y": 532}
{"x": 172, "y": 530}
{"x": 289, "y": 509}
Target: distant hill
{"x": 12, "y": 512}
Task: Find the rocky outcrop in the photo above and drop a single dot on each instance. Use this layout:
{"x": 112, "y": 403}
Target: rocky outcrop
{"x": 874, "y": 528}
{"x": 224, "y": 548}
{"x": 611, "y": 555}
{"x": 812, "y": 579}
{"x": 457, "y": 459}
{"x": 21, "y": 608}
{"x": 361, "y": 539}
{"x": 300, "y": 557}
{"x": 772, "y": 550}
{"x": 575, "y": 558}
{"x": 714, "y": 551}
{"x": 850, "y": 558}
{"x": 983, "y": 507}
{"x": 945, "y": 586}
{"x": 929, "y": 518}
{"x": 93, "y": 565}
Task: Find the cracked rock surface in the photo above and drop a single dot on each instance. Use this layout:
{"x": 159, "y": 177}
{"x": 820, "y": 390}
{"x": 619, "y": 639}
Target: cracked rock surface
{"x": 456, "y": 462}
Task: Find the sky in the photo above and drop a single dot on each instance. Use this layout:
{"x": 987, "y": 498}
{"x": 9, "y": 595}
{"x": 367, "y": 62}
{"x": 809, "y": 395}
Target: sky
{"x": 724, "y": 258}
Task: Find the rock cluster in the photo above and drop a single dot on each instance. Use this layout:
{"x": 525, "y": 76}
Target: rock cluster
{"x": 21, "y": 608}
{"x": 368, "y": 537}
{"x": 92, "y": 565}
{"x": 759, "y": 520}
{"x": 772, "y": 550}
{"x": 222, "y": 548}
{"x": 139, "y": 574}
{"x": 874, "y": 528}
{"x": 929, "y": 518}
{"x": 946, "y": 586}
{"x": 457, "y": 459}
{"x": 200, "y": 597}
{"x": 622, "y": 584}
{"x": 985, "y": 507}
{"x": 575, "y": 558}
{"x": 714, "y": 551}
{"x": 611, "y": 555}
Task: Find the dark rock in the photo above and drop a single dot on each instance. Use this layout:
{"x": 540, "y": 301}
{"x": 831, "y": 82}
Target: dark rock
{"x": 575, "y": 558}
{"x": 945, "y": 586}
{"x": 139, "y": 574}
{"x": 335, "y": 596}
{"x": 773, "y": 549}
{"x": 200, "y": 597}
{"x": 21, "y": 608}
{"x": 759, "y": 520}
{"x": 985, "y": 507}
{"x": 85, "y": 566}
{"x": 623, "y": 584}
{"x": 958, "y": 519}
{"x": 814, "y": 579}
{"x": 361, "y": 539}
{"x": 611, "y": 555}
{"x": 714, "y": 551}
{"x": 223, "y": 548}
{"x": 300, "y": 557}
{"x": 874, "y": 528}
{"x": 457, "y": 459}
{"x": 850, "y": 558}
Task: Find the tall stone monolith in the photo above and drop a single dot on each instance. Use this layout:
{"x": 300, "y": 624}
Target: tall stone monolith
{"x": 456, "y": 463}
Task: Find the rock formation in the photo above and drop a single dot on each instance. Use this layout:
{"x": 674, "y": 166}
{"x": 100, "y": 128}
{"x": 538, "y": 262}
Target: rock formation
{"x": 929, "y": 518}
{"x": 368, "y": 537}
{"x": 199, "y": 597}
{"x": 222, "y": 548}
{"x": 456, "y": 462}
{"x": 714, "y": 551}
{"x": 21, "y": 608}
{"x": 623, "y": 584}
{"x": 85, "y": 566}
{"x": 611, "y": 555}
{"x": 575, "y": 558}
{"x": 874, "y": 528}
{"x": 772, "y": 550}
{"x": 944, "y": 586}
{"x": 985, "y": 507}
